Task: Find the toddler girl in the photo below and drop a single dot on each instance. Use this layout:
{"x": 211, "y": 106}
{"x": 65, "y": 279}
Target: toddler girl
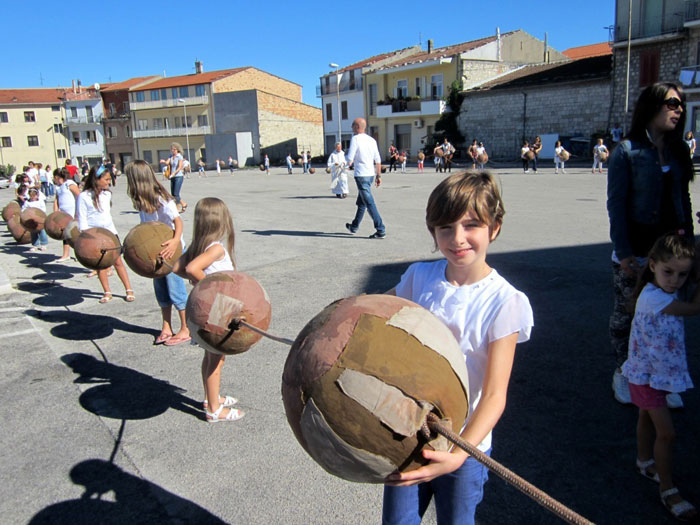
{"x": 66, "y": 193}
{"x": 600, "y": 155}
{"x": 37, "y": 200}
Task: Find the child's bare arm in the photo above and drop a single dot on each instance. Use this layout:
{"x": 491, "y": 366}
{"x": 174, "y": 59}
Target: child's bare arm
{"x": 684, "y": 308}
{"x": 194, "y": 270}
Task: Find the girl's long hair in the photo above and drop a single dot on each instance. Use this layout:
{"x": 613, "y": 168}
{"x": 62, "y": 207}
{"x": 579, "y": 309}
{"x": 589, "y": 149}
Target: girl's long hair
{"x": 91, "y": 185}
{"x": 212, "y": 223}
{"x": 143, "y": 187}
{"x": 649, "y": 103}
{"x": 665, "y": 248}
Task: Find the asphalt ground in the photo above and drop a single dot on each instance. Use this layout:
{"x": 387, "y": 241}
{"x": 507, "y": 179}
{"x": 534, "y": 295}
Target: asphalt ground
{"x": 98, "y": 425}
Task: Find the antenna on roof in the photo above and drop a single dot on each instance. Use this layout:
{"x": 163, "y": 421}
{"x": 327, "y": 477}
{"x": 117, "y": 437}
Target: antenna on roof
{"x": 41, "y": 79}
{"x": 420, "y": 39}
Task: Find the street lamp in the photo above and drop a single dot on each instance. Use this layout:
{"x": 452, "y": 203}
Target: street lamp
{"x": 337, "y": 95}
{"x": 187, "y": 134}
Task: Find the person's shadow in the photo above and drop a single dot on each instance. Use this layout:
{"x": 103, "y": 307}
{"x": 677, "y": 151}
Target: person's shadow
{"x": 125, "y": 393}
{"x": 136, "y": 500}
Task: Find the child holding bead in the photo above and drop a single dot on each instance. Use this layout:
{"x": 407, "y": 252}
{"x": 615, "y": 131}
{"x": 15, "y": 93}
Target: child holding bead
{"x": 211, "y": 251}
{"x": 66, "y": 194}
{"x": 488, "y": 317}
{"x": 37, "y": 200}
{"x": 154, "y": 203}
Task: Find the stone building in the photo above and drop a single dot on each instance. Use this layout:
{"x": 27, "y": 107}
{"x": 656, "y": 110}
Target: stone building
{"x": 83, "y": 122}
{"x": 116, "y": 119}
{"x": 664, "y": 46}
{"x": 242, "y": 112}
{"x": 569, "y": 101}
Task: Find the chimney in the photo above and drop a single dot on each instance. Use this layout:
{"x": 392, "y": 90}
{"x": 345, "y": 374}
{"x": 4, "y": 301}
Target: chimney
{"x": 430, "y": 45}
{"x": 80, "y": 87}
{"x": 498, "y": 44}
{"x": 73, "y": 82}
{"x": 198, "y": 67}
{"x": 544, "y": 57}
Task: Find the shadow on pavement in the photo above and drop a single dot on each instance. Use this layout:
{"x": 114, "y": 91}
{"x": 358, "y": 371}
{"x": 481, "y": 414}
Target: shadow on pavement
{"x": 136, "y": 500}
{"x": 562, "y": 430}
{"x": 125, "y": 393}
{"x": 78, "y": 326}
{"x": 298, "y": 233}
{"x": 53, "y": 294}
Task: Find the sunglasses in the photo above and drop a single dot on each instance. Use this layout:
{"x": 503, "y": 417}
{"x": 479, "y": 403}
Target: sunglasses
{"x": 673, "y": 103}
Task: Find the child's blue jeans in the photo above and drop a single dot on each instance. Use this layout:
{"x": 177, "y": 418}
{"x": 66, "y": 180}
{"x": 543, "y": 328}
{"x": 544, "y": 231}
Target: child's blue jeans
{"x": 171, "y": 290}
{"x": 456, "y": 496}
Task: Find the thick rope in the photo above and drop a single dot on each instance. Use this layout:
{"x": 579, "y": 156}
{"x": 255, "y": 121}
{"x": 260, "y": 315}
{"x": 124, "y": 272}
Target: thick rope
{"x": 237, "y": 322}
{"x": 432, "y": 424}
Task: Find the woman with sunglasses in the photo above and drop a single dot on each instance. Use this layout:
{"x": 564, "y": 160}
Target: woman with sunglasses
{"x": 649, "y": 174}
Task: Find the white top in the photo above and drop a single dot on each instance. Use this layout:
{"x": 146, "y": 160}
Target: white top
{"x": 33, "y": 175}
{"x": 364, "y": 154}
{"x": 66, "y": 199}
{"x": 480, "y": 150}
{"x": 337, "y": 157}
{"x": 221, "y": 265}
{"x": 90, "y": 217}
{"x": 174, "y": 163}
{"x": 41, "y": 204}
{"x": 598, "y": 149}
{"x": 166, "y": 213}
{"x": 523, "y": 151}
{"x": 476, "y": 314}
{"x": 657, "y": 344}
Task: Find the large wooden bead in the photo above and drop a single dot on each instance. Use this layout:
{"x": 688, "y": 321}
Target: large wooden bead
{"x": 19, "y": 233}
{"x": 56, "y": 223}
{"x": 33, "y": 219}
{"x": 217, "y": 301}
{"x": 12, "y": 208}
{"x": 360, "y": 380}
{"x": 96, "y": 248}
{"x": 142, "y": 246}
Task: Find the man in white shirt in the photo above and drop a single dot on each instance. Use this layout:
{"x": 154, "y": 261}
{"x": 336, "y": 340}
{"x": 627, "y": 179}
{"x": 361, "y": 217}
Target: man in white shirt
{"x": 616, "y": 133}
{"x": 363, "y": 153}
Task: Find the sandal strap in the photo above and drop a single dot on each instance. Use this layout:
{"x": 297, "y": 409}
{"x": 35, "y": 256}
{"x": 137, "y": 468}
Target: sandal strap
{"x": 645, "y": 464}
{"x": 670, "y": 492}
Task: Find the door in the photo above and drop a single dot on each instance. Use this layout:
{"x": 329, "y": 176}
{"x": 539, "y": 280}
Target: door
{"x": 402, "y": 132}
{"x": 244, "y": 148}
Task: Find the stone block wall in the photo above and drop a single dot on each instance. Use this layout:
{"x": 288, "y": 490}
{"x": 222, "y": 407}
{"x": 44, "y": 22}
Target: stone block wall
{"x": 289, "y": 108}
{"x": 497, "y": 117}
{"x": 278, "y": 131}
{"x": 252, "y": 78}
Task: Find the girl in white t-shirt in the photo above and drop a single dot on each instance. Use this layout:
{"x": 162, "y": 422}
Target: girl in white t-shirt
{"x": 656, "y": 363}
{"x": 600, "y": 155}
{"x": 66, "y": 194}
{"x": 154, "y": 203}
{"x": 559, "y": 154}
{"x": 93, "y": 210}
{"x": 37, "y": 200}
{"x": 488, "y": 317}
{"x": 211, "y": 251}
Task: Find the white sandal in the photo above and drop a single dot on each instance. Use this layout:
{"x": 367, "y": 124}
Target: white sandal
{"x": 678, "y": 510}
{"x": 643, "y": 468}
{"x": 228, "y": 402}
{"x": 233, "y": 415}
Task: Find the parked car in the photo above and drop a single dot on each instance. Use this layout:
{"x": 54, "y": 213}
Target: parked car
{"x": 4, "y": 182}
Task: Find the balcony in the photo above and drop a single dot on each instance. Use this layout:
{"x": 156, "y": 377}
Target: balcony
{"x": 412, "y": 108}
{"x": 169, "y": 103}
{"x": 664, "y": 18}
{"x": 116, "y": 116}
{"x": 690, "y": 77}
{"x": 92, "y": 119}
{"x": 171, "y": 132}
{"x": 346, "y": 86}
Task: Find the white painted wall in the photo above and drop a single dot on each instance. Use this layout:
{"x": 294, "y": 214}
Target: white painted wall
{"x": 356, "y": 108}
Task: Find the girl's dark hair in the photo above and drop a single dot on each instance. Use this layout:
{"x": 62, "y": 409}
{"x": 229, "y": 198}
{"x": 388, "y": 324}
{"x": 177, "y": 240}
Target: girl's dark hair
{"x": 666, "y": 247}
{"x": 649, "y": 103}
{"x": 91, "y": 185}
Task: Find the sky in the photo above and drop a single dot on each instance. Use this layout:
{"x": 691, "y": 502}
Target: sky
{"x": 112, "y": 41}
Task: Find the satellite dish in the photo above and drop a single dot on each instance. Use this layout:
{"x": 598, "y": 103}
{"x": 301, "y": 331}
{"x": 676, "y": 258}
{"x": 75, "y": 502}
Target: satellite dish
{"x": 96, "y": 86}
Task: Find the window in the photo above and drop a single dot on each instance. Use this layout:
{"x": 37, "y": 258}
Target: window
{"x": 29, "y": 116}
{"x": 76, "y": 137}
{"x": 128, "y": 131}
{"x": 436, "y": 86}
{"x": 418, "y": 85}
{"x": 173, "y": 92}
{"x": 142, "y": 124}
{"x": 184, "y": 92}
{"x": 157, "y": 123}
{"x": 58, "y": 128}
{"x": 7, "y": 142}
{"x": 88, "y": 110}
{"x": 111, "y": 132}
{"x": 3, "y": 116}
{"x": 648, "y": 67}
{"x": 200, "y": 90}
{"x": 329, "y": 112}
{"x": 372, "y": 99}
{"x": 155, "y": 94}
{"x": 61, "y": 153}
{"x": 202, "y": 120}
{"x": 33, "y": 140}
{"x": 55, "y": 108}
{"x": 401, "y": 88}
{"x": 148, "y": 156}
{"x": 374, "y": 132}
{"x": 164, "y": 94}
{"x": 189, "y": 121}
{"x": 112, "y": 109}
{"x": 351, "y": 83}
{"x": 74, "y": 112}
{"x": 165, "y": 122}
{"x": 177, "y": 122}
{"x": 344, "y": 109}
{"x": 140, "y": 96}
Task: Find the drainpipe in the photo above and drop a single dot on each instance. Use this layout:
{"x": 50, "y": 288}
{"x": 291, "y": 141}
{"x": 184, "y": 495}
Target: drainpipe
{"x": 524, "y": 113}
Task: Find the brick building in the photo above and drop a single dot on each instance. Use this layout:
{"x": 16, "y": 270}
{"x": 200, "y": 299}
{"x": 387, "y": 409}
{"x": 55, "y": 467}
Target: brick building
{"x": 242, "y": 112}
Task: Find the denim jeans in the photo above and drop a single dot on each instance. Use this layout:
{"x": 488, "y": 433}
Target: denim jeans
{"x": 175, "y": 185}
{"x": 40, "y": 238}
{"x": 170, "y": 290}
{"x": 456, "y": 496}
{"x": 365, "y": 201}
